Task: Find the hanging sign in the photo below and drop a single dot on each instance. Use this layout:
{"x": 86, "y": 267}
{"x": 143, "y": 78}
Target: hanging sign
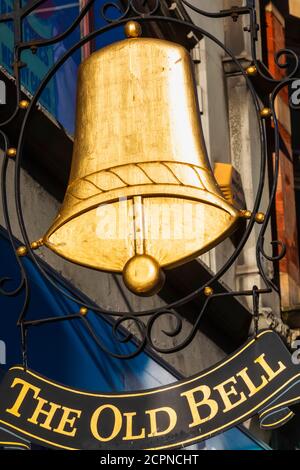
{"x": 9, "y": 440}
{"x": 259, "y": 379}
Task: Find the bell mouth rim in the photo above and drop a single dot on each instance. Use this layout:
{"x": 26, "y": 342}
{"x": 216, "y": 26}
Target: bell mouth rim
{"x": 181, "y": 261}
{"x": 217, "y": 201}
{"x": 145, "y": 191}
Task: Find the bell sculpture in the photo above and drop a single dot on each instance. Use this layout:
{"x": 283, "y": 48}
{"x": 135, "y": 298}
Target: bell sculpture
{"x": 141, "y": 194}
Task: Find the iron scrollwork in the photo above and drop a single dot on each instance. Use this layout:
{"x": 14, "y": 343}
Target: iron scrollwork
{"x": 144, "y": 321}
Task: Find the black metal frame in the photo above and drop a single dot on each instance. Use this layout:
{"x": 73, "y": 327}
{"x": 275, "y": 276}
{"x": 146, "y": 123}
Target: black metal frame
{"x": 144, "y": 320}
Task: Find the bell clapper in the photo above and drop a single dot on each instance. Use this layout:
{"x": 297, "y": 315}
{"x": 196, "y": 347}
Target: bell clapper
{"x": 142, "y": 274}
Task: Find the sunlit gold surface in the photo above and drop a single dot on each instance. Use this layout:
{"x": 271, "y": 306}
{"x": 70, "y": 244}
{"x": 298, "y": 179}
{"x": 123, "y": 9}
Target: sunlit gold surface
{"x": 142, "y": 275}
{"x": 140, "y": 182}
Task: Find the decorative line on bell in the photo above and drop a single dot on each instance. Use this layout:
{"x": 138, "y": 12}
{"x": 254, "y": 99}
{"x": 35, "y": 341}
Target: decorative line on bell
{"x": 141, "y": 193}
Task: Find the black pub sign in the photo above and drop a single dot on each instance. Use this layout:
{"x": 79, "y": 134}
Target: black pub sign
{"x": 258, "y": 379}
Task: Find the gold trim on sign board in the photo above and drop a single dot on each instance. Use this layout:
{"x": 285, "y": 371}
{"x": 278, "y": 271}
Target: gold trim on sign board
{"x": 279, "y": 421}
{"x": 201, "y": 436}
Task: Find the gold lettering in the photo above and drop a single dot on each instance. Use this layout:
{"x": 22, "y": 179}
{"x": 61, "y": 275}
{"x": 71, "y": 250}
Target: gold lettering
{"x": 14, "y": 410}
{"x": 129, "y": 425}
{"x": 206, "y": 401}
{"x": 67, "y": 420}
{"x": 39, "y": 410}
{"x": 117, "y": 422}
{"x": 225, "y": 394}
{"x": 251, "y": 387}
{"x": 154, "y": 431}
{"x": 271, "y": 373}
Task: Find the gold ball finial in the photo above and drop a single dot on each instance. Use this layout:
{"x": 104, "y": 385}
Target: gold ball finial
{"x": 265, "y": 113}
{"x": 260, "y": 217}
{"x": 11, "y": 152}
{"x": 143, "y": 275}
{"x": 22, "y": 251}
{"x": 208, "y": 291}
{"x": 251, "y": 70}
{"x": 83, "y": 311}
{"x": 246, "y": 214}
{"x": 24, "y": 104}
{"x": 133, "y": 29}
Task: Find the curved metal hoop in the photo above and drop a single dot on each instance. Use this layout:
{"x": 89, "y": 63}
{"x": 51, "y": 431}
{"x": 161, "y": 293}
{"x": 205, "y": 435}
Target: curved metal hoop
{"x": 37, "y": 95}
{"x": 145, "y": 330}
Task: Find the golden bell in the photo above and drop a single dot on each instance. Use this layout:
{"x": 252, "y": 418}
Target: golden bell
{"x": 141, "y": 194}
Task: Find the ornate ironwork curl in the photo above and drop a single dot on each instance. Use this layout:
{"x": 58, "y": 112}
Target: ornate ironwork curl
{"x": 292, "y": 60}
{"x": 175, "y": 331}
{"x": 274, "y": 243}
{"x": 127, "y": 337}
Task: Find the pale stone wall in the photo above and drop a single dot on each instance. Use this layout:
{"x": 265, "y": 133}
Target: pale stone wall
{"x": 232, "y": 136}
